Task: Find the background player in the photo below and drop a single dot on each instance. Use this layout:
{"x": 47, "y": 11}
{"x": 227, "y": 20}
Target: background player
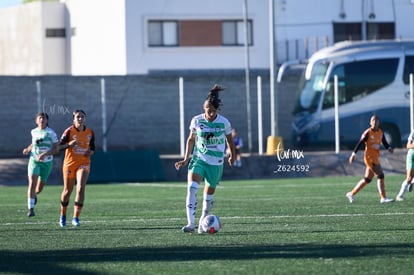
{"x": 372, "y": 137}
{"x": 407, "y": 184}
{"x": 44, "y": 145}
{"x": 79, "y": 142}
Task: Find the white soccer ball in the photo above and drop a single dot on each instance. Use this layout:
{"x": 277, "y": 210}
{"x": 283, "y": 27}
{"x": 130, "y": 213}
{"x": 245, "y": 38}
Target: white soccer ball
{"x": 210, "y": 224}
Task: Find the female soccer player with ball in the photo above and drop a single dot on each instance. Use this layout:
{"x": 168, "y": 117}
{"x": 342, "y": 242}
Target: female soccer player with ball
{"x": 209, "y": 132}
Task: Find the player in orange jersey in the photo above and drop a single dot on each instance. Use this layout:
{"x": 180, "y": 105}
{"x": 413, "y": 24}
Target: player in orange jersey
{"x": 79, "y": 142}
{"x": 373, "y": 137}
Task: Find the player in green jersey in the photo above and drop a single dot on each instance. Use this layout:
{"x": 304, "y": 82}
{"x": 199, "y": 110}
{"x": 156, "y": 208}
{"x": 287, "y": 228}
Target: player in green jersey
{"x": 44, "y": 145}
{"x": 209, "y": 133}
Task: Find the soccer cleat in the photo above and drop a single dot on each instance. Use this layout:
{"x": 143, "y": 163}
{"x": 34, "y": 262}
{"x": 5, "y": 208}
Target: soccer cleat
{"x": 350, "y": 197}
{"x": 62, "y": 221}
{"x": 31, "y": 213}
{"x": 75, "y": 221}
{"x": 399, "y": 198}
{"x": 199, "y": 230}
{"x": 188, "y": 229}
{"x": 410, "y": 187}
{"x": 386, "y": 200}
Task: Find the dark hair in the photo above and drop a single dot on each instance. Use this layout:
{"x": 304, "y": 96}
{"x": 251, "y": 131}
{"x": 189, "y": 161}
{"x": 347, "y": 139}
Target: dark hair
{"x": 213, "y": 96}
{"x": 42, "y": 114}
{"x": 78, "y": 111}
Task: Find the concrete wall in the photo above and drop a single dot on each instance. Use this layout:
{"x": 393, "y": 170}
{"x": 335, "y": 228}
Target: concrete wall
{"x": 98, "y": 44}
{"x": 142, "y": 111}
{"x": 24, "y": 47}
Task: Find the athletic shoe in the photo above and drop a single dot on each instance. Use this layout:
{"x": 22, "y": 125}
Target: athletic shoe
{"x": 385, "y": 200}
{"x": 62, "y": 221}
{"x": 75, "y": 221}
{"x": 199, "y": 231}
{"x": 188, "y": 229}
{"x": 31, "y": 212}
{"x": 410, "y": 187}
{"x": 350, "y": 197}
{"x": 399, "y": 198}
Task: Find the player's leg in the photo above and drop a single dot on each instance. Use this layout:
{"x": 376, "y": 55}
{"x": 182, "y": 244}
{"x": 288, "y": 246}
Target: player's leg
{"x": 369, "y": 174}
{"x": 212, "y": 179}
{"x": 403, "y": 189}
{"x": 406, "y": 184}
{"x": 381, "y": 183}
{"x": 193, "y": 181}
{"x": 208, "y": 200}
{"x": 68, "y": 184}
{"x": 82, "y": 177}
{"x": 39, "y": 186}
{"x": 45, "y": 171}
{"x": 410, "y": 167}
{"x": 31, "y": 194}
{"x": 33, "y": 171}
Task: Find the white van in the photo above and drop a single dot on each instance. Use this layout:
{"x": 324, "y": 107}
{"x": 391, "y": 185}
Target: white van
{"x": 373, "y": 78}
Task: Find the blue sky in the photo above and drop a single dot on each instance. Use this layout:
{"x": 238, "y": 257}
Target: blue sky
{"x": 9, "y": 3}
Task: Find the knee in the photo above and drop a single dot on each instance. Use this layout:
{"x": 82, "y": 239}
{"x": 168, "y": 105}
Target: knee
{"x": 367, "y": 180}
{"x": 192, "y": 186}
{"x": 381, "y": 176}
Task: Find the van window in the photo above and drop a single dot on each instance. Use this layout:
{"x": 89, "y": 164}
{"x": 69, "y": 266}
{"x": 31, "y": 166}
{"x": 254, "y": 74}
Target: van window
{"x": 408, "y": 69}
{"x": 358, "y": 79}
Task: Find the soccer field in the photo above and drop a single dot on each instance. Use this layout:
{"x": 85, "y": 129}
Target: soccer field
{"x": 280, "y": 226}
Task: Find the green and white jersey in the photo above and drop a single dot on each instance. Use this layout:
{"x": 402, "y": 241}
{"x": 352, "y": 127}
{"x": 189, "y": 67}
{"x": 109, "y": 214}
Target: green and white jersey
{"x": 42, "y": 141}
{"x": 210, "y": 141}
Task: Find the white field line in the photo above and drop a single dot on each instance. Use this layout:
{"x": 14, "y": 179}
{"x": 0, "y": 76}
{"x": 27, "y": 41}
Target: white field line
{"x": 222, "y": 217}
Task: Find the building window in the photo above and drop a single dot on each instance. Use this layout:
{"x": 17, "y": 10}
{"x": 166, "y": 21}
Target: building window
{"x": 408, "y": 68}
{"x": 347, "y": 31}
{"x": 233, "y": 33}
{"x": 198, "y": 33}
{"x": 162, "y": 33}
{"x": 380, "y": 31}
{"x": 55, "y": 33}
{"x": 353, "y": 31}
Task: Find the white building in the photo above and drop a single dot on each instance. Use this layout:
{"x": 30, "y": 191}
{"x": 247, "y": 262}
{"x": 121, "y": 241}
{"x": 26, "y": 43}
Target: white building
{"x": 118, "y": 37}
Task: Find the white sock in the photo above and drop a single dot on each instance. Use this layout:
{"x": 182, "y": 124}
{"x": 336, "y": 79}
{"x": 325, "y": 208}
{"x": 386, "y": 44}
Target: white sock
{"x": 191, "y": 202}
{"x": 207, "y": 205}
{"x": 404, "y": 187}
{"x": 30, "y": 203}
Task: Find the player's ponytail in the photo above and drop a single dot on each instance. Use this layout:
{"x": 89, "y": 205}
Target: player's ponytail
{"x": 213, "y": 96}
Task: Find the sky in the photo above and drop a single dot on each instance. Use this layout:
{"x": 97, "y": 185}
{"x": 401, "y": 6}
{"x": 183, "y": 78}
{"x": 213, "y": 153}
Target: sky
{"x": 9, "y": 3}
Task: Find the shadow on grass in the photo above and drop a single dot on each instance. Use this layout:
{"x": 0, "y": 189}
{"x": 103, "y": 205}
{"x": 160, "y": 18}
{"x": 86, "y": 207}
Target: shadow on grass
{"x": 51, "y": 262}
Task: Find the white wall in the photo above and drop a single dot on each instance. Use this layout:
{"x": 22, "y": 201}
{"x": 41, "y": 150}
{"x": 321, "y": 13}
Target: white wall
{"x": 404, "y": 18}
{"x": 111, "y": 35}
{"x": 24, "y": 49}
{"x": 53, "y": 48}
{"x": 142, "y": 58}
{"x": 98, "y": 46}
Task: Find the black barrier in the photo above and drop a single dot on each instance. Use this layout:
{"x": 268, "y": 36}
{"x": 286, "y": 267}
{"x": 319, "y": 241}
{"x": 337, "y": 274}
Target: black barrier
{"x": 126, "y": 166}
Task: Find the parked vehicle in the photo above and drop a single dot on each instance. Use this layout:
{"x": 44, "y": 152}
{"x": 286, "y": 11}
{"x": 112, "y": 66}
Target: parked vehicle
{"x": 373, "y": 78}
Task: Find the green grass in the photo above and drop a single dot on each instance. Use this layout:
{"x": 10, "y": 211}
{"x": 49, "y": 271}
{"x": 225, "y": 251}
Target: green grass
{"x": 281, "y": 226}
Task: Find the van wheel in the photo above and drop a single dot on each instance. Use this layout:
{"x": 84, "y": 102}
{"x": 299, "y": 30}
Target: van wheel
{"x": 392, "y": 134}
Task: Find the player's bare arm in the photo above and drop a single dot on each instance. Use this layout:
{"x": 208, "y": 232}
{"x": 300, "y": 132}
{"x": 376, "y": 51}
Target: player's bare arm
{"x": 28, "y": 149}
{"x": 232, "y": 154}
{"x": 189, "y": 149}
